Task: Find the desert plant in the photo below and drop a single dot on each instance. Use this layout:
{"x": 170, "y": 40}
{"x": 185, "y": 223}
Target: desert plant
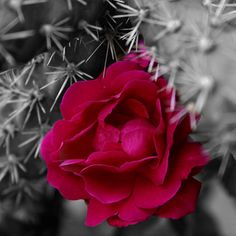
{"x": 45, "y": 46}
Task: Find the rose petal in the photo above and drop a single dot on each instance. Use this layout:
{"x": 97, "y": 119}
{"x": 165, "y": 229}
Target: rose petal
{"x": 121, "y": 79}
{"x": 63, "y": 130}
{"x": 140, "y": 165}
{"x": 164, "y": 140}
{"x": 183, "y": 203}
{"x": 47, "y": 147}
{"x": 117, "y": 222}
{"x": 107, "y": 184}
{"x": 99, "y": 212}
{"x": 74, "y": 165}
{"x": 134, "y": 89}
{"x": 79, "y": 93}
{"x": 164, "y": 144}
{"x": 148, "y": 195}
{"x": 137, "y": 138}
{"x": 158, "y": 117}
{"x": 80, "y": 146}
{"x": 70, "y": 186}
{"x": 107, "y": 110}
{"x": 122, "y": 110}
{"x": 87, "y": 113}
{"x": 112, "y": 147}
{"x": 143, "y": 90}
{"x": 115, "y": 70}
{"x": 112, "y": 158}
{"x": 129, "y": 211}
{"x": 186, "y": 158}
{"x": 182, "y": 130}
{"x": 134, "y": 108}
{"x": 105, "y": 135}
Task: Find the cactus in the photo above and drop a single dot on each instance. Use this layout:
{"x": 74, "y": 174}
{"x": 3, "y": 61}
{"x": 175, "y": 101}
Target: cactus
{"x": 193, "y": 42}
{"x": 29, "y": 27}
{"x": 45, "y": 46}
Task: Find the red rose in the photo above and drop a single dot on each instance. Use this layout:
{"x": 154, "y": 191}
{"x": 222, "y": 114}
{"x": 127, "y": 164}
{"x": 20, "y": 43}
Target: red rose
{"x": 117, "y": 148}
